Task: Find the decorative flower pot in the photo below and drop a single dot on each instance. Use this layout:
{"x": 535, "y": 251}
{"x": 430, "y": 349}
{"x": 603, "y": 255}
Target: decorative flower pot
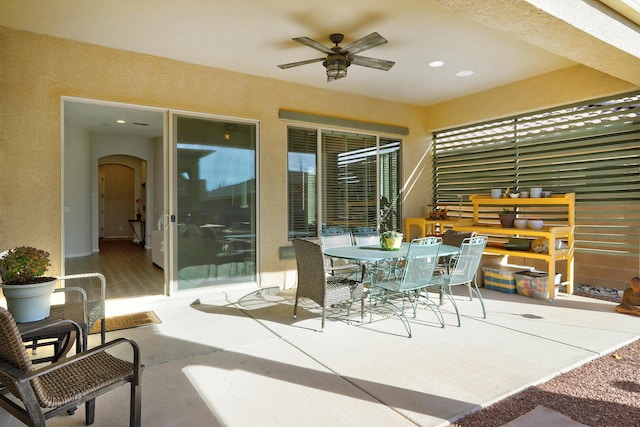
{"x": 391, "y": 242}
{"x": 507, "y": 219}
{"x": 30, "y": 302}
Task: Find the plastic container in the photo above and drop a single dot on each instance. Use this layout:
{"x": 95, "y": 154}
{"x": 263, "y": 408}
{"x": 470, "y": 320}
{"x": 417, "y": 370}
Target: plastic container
{"x": 536, "y": 284}
{"x": 502, "y": 278}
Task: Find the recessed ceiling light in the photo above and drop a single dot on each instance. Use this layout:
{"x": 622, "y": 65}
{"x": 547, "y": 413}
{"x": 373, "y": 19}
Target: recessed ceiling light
{"x": 436, "y": 64}
{"x": 120, "y": 121}
{"x": 465, "y": 73}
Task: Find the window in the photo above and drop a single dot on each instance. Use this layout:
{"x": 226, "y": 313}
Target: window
{"x": 591, "y": 148}
{"x": 356, "y": 189}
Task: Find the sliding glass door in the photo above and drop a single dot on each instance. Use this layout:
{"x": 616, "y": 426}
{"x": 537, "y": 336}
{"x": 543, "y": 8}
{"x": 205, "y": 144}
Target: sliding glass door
{"x": 213, "y": 212}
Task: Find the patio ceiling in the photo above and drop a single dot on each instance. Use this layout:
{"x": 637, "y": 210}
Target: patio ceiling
{"x": 500, "y": 42}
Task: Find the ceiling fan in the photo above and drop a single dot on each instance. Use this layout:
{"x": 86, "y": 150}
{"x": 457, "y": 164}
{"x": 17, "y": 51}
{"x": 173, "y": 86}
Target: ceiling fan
{"x": 339, "y": 58}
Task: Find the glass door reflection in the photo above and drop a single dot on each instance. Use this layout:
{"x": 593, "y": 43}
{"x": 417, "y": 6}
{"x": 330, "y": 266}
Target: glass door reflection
{"x": 216, "y": 202}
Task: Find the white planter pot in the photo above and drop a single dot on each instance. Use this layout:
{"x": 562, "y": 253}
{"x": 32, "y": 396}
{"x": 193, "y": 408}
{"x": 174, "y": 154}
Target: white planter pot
{"x": 391, "y": 242}
{"x": 31, "y": 302}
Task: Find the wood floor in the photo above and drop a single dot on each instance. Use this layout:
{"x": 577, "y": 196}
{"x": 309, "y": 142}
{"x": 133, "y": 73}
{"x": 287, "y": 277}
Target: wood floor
{"x": 127, "y": 268}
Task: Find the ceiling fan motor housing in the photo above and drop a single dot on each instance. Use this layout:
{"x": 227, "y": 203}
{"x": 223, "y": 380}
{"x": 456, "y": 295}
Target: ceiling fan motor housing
{"x": 336, "y": 38}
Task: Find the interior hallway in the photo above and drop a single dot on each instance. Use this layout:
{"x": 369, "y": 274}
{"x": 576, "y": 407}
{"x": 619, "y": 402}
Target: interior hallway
{"x": 127, "y": 268}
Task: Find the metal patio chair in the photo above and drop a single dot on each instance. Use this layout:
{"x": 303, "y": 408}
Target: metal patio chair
{"x": 463, "y": 272}
{"x": 34, "y": 395}
{"x": 367, "y": 238}
{"x": 399, "y": 292}
{"x": 314, "y": 283}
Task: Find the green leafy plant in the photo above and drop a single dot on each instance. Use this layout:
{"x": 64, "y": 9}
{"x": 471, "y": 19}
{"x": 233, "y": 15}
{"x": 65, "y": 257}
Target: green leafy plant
{"x": 389, "y": 234}
{"x": 508, "y": 210}
{"x": 23, "y": 265}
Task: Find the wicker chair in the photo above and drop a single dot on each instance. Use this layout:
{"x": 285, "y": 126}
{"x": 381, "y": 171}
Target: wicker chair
{"x": 315, "y": 284}
{"x": 42, "y": 393}
{"x": 337, "y": 266}
{"x": 95, "y": 307}
{"x": 94, "y": 311}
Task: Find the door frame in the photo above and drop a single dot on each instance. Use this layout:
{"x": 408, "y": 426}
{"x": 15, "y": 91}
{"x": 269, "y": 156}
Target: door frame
{"x": 94, "y": 210}
{"x": 171, "y": 225}
{"x": 169, "y": 190}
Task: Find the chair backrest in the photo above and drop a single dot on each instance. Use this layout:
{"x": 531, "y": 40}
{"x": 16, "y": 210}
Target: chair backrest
{"x": 12, "y": 349}
{"x": 468, "y": 260}
{"x": 421, "y": 261}
{"x": 455, "y": 238}
{"x": 367, "y": 238}
{"x": 336, "y": 240}
{"x": 311, "y": 271}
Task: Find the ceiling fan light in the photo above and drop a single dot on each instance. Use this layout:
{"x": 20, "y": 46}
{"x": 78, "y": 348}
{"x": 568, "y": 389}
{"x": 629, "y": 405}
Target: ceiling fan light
{"x": 336, "y": 66}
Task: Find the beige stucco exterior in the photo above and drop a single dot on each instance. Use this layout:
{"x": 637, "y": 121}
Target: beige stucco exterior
{"x": 37, "y": 70}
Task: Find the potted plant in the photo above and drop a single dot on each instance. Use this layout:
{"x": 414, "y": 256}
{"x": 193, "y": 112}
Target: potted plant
{"x": 26, "y": 289}
{"x": 391, "y": 240}
{"x": 439, "y": 213}
{"x": 507, "y": 217}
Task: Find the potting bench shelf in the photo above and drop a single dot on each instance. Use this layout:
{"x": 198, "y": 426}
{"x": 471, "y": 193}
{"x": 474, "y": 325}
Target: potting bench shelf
{"x": 558, "y": 210}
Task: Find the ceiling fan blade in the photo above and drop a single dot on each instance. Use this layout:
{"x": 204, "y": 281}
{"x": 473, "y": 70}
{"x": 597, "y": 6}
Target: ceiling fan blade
{"x": 313, "y": 44}
{"x": 379, "y": 64}
{"x": 295, "y": 64}
{"x": 367, "y": 42}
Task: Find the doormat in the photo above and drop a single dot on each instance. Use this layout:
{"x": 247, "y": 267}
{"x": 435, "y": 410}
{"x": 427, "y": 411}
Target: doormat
{"x": 126, "y": 321}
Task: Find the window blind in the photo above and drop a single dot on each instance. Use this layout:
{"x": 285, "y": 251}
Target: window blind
{"x": 390, "y": 185}
{"x": 357, "y": 185}
{"x": 591, "y": 148}
{"x": 302, "y": 182}
{"x": 349, "y": 180}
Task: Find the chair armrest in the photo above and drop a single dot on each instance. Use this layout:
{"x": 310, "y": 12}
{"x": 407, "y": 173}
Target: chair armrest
{"x": 12, "y": 372}
{"x": 81, "y": 291}
{"x": 103, "y": 281}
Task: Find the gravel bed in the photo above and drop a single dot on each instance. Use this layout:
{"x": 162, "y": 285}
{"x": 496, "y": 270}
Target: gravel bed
{"x": 603, "y": 392}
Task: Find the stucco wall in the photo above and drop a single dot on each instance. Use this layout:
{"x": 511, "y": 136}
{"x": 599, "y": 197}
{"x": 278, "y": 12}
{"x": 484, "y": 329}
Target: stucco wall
{"x": 36, "y": 71}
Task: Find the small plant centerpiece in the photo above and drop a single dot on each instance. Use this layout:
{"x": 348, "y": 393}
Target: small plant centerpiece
{"x": 439, "y": 214}
{"x": 391, "y": 240}
{"x": 26, "y": 289}
{"x": 507, "y": 217}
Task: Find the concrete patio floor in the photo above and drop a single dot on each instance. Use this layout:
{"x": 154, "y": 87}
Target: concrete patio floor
{"x": 238, "y": 358}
